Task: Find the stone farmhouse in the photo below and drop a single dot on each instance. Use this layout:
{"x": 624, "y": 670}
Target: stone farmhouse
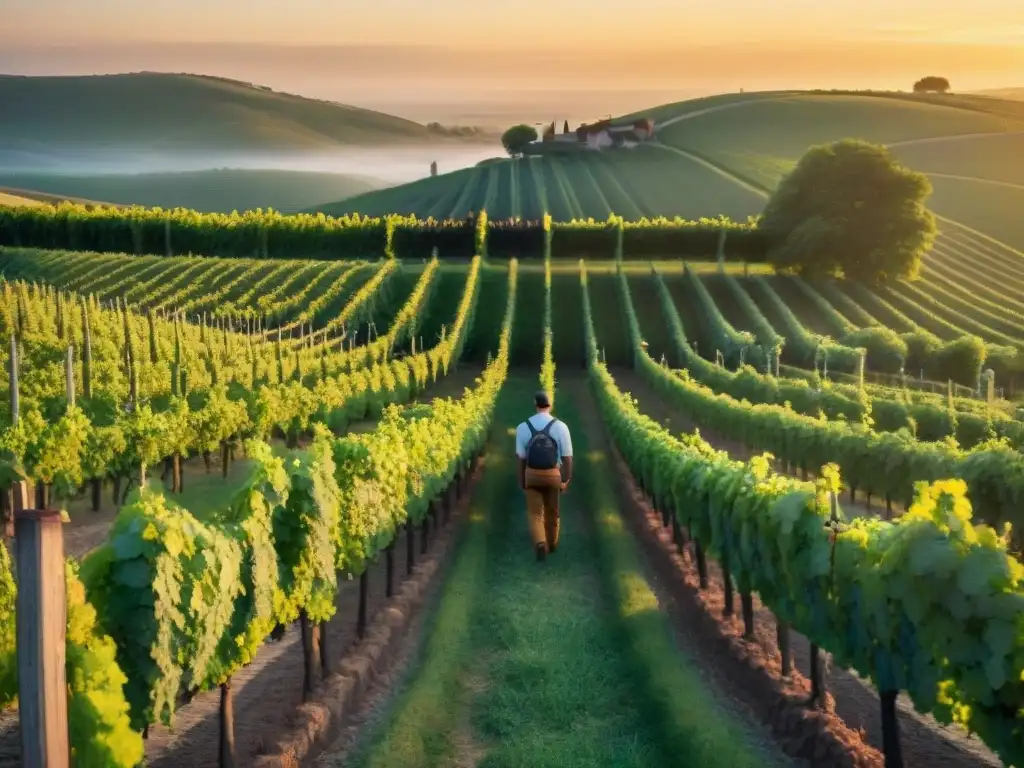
{"x": 600, "y": 135}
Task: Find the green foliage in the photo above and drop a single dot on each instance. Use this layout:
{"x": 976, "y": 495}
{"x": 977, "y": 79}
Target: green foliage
{"x": 190, "y": 602}
{"x": 99, "y": 727}
{"x": 8, "y": 631}
{"x": 848, "y": 208}
{"x": 932, "y": 84}
{"x": 959, "y": 360}
{"x": 886, "y": 351}
{"x": 547, "y": 368}
{"x": 515, "y": 139}
{"x": 99, "y": 730}
{"x": 931, "y": 604}
{"x": 886, "y": 464}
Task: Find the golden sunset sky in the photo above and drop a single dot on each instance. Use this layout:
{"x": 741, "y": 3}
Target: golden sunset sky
{"x": 342, "y": 49}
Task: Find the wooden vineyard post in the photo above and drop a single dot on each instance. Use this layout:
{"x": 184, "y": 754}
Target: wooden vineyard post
{"x": 410, "y": 547}
{"x": 446, "y": 508}
{"x": 86, "y": 351}
{"x": 730, "y": 607}
{"x": 702, "y": 563}
{"x": 890, "y": 730}
{"x": 677, "y": 530}
{"x": 326, "y": 663}
{"x": 364, "y": 586}
{"x": 817, "y": 677}
{"x": 782, "y": 637}
{"x": 41, "y": 629}
{"x": 450, "y": 495}
{"x": 227, "y": 727}
{"x": 310, "y": 653}
{"x": 69, "y": 375}
{"x": 818, "y": 683}
{"x": 389, "y": 560}
{"x": 747, "y": 606}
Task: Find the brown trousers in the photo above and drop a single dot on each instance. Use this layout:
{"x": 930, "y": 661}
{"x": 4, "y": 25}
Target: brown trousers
{"x": 543, "y": 489}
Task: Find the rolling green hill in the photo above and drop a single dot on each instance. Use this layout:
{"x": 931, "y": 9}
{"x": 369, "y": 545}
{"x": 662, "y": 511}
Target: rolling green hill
{"x": 213, "y": 191}
{"x": 150, "y": 111}
{"x": 719, "y": 155}
{"x": 648, "y": 181}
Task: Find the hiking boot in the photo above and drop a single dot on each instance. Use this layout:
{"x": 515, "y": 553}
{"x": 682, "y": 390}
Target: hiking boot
{"x": 542, "y": 552}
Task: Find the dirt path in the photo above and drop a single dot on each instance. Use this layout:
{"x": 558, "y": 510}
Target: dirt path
{"x": 926, "y": 743}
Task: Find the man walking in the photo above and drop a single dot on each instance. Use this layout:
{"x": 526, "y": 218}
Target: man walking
{"x": 544, "y": 448}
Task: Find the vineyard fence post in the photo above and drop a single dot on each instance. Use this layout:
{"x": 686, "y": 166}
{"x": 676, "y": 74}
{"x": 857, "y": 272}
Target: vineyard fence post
{"x": 389, "y": 556}
{"x": 41, "y": 630}
{"x": 364, "y": 585}
{"x": 890, "y": 730}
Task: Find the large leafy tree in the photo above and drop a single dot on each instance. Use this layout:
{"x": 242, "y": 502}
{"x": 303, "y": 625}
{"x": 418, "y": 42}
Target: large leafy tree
{"x": 517, "y": 137}
{"x": 848, "y": 209}
{"x": 932, "y": 84}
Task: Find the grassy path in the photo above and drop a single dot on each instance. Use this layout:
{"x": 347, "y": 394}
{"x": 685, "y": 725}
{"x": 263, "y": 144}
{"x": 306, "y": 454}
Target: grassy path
{"x": 552, "y": 663}
{"x": 519, "y": 668}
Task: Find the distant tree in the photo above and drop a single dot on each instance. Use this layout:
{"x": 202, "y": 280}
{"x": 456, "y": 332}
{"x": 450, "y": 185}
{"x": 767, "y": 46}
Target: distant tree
{"x": 565, "y": 128}
{"x": 517, "y": 137}
{"x": 849, "y": 209}
{"x": 932, "y": 85}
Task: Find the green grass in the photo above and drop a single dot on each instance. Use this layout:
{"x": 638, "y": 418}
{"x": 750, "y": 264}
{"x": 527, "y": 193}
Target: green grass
{"x": 528, "y": 332}
{"x": 651, "y": 316}
{"x": 784, "y": 127}
{"x": 530, "y": 664}
{"x": 554, "y": 689}
{"x": 151, "y": 111}
{"x": 761, "y": 141}
{"x": 696, "y": 727}
{"x": 519, "y": 668}
{"x": 489, "y": 313}
{"x": 644, "y": 181}
{"x": 211, "y": 191}
{"x": 567, "y": 321}
{"x": 994, "y": 210}
{"x": 609, "y": 327}
{"x": 997, "y": 157}
{"x": 756, "y": 137}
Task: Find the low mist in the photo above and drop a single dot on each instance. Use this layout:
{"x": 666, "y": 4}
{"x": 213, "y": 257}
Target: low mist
{"x": 391, "y": 165}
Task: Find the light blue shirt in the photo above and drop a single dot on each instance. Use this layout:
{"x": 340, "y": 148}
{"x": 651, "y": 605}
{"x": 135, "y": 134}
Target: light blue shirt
{"x": 559, "y": 433}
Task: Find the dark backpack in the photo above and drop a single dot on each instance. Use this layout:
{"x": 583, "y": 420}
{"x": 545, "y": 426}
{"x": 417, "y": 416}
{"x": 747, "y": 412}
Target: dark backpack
{"x": 542, "y": 450}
